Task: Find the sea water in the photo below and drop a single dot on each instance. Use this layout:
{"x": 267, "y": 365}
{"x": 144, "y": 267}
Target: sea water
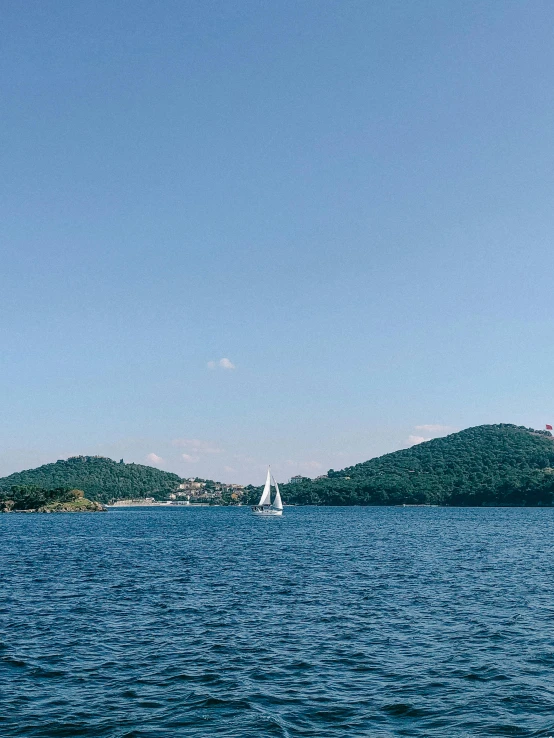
{"x": 326, "y": 622}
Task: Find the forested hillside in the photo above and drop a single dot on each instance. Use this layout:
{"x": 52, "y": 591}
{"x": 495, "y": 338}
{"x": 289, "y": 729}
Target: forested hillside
{"x": 35, "y": 499}
{"x": 484, "y": 465}
{"x": 100, "y": 478}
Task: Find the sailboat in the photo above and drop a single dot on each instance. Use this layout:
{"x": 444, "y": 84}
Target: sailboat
{"x": 264, "y": 506}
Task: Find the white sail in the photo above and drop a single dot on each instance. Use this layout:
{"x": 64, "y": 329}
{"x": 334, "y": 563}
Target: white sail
{"x": 265, "y": 499}
{"x": 277, "y": 503}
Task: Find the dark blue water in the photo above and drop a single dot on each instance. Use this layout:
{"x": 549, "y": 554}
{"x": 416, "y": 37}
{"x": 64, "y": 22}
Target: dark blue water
{"x": 328, "y": 622}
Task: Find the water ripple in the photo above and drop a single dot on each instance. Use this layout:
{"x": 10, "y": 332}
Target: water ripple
{"x": 329, "y": 622}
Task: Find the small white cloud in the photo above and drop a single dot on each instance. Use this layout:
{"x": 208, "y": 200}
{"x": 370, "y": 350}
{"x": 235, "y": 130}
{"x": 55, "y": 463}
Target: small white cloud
{"x": 222, "y": 364}
{"x": 433, "y": 428}
{"x": 304, "y": 465}
{"x": 191, "y": 459}
{"x": 414, "y": 440}
{"x": 205, "y": 447}
{"x": 154, "y": 459}
{"x": 248, "y": 460}
{"x": 229, "y": 469}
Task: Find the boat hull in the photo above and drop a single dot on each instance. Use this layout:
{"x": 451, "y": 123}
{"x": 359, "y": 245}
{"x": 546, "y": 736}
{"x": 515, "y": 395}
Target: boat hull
{"x": 269, "y": 512}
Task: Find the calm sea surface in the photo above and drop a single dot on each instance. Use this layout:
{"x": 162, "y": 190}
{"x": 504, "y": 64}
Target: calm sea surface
{"x": 329, "y": 622}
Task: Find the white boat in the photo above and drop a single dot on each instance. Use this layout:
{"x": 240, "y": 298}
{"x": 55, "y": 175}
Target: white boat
{"x": 265, "y": 506}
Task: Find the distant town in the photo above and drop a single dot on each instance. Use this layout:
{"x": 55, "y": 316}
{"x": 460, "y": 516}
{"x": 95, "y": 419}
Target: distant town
{"x": 195, "y": 491}
{"x": 201, "y": 490}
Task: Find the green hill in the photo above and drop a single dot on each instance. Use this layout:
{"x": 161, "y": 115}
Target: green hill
{"x": 485, "y": 465}
{"x": 35, "y": 499}
{"x": 100, "y": 478}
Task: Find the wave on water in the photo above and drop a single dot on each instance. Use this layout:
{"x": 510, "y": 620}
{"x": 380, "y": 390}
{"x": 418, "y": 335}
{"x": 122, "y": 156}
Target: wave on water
{"x": 332, "y": 622}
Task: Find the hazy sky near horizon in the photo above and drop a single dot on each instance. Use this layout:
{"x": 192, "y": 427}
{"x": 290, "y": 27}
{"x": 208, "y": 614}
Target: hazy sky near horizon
{"x": 300, "y": 233}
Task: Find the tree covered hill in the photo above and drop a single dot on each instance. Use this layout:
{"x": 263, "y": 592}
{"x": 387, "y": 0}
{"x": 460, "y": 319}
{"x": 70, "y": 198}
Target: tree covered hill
{"x": 35, "y": 499}
{"x": 485, "y": 465}
{"x": 100, "y": 478}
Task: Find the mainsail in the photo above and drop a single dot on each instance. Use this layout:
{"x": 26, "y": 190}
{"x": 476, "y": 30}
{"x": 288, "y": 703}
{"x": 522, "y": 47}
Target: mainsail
{"x": 277, "y": 503}
{"x": 265, "y": 499}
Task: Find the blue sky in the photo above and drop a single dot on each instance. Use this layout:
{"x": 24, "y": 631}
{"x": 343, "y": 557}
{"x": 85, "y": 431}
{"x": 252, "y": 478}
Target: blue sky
{"x": 349, "y": 202}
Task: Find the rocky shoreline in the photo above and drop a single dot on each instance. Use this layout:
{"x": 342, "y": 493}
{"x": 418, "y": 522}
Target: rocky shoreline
{"x": 63, "y": 507}
{"x": 33, "y": 501}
